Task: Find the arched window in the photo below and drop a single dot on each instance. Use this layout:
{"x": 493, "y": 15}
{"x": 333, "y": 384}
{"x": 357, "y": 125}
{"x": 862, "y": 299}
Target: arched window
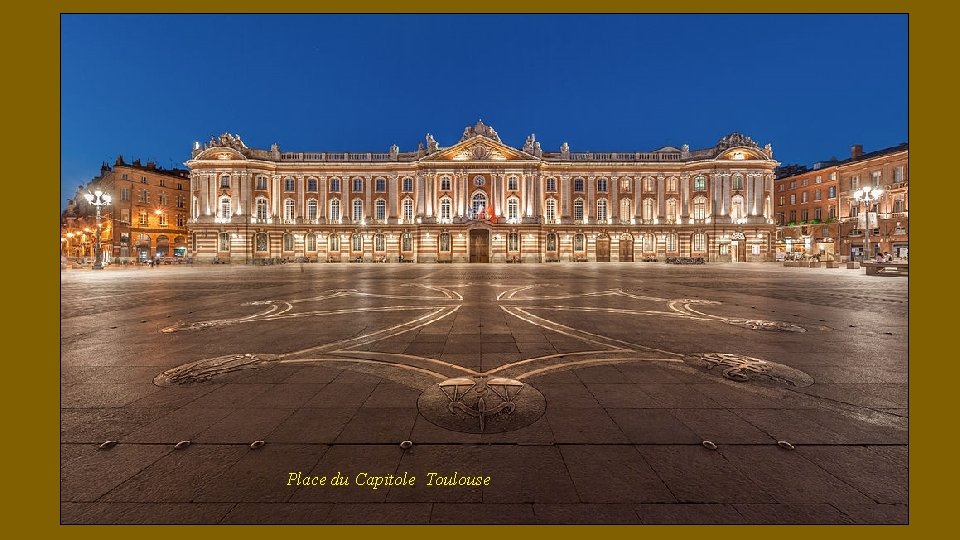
{"x": 648, "y": 209}
{"x": 551, "y": 241}
{"x": 379, "y": 242}
{"x": 334, "y": 184}
{"x": 578, "y": 210}
{"x": 736, "y": 208}
{"x": 357, "y": 242}
{"x": 551, "y": 211}
{"x": 312, "y": 185}
{"x": 335, "y": 211}
{"x": 357, "y": 184}
{"x": 478, "y": 204}
{"x": 700, "y": 207}
{"x": 380, "y": 209}
{"x": 312, "y": 209}
{"x": 289, "y": 184}
{"x": 261, "y": 242}
{"x": 288, "y": 242}
{"x": 602, "y": 211}
{"x": 408, "y": 185}
{"x": 445, "y": 242}
{"x": 699, "y": 242}
{"x": 671, "y": 210}
{"x": 513, "y": 209}
{"x": 625, "y": 212}
{"x": 225, "y": 208}
{"x": 513, "y": 242}
{"x": 357, "y": 210}
{"x": 446, "y": 210}
{"x": 311, "y": 242}
{"x": 578, "y": 242}
{"x": 262, "y": 205}
{"x": 408, "y": 210}
{"x": 288, "y": 210}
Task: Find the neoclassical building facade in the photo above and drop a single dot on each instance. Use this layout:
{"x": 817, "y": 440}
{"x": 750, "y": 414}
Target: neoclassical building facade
{"x": 481, "y": 200}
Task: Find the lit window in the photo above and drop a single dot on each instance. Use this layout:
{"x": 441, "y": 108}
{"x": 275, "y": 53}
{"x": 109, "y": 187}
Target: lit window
{"x": 551, "y": 210}
{"x": 261, "y": 208}
{"x": 648, "y": 209}
{"x": 445, "y": 210}
{"x": 407, "y": 210}
{"x": 513, "y": 242}
{"x": 700, "y": 208}
{"x": 224, "y": 244}
{"x": 602, "y": 211}
{"x": 700, "y": 242}
{"x": 357, "y": 210}
{"x": 225, "y": 208}
{"x": 578, "y": 242}
{"x": 671, "y": 211}
{"x": 513, "y": 209}
{"x": 357, "y": 242}
{"x": 671, "y": 242}
{"x": 736, "y": 207}
{"x": 737, "y": 181}
{"x": 444, "y": 241}
{"x": 379, "y": 242}
{"x": 335, "y": 211}
{"x": 479, "y": 205}
{"x": 672, "y": 185}
{"x": 625, "y": 209}
{"x": 624, "y": 184}
{"x": 578, "y": 210}
{"x": 700, "y": 183}
{"x": 288, "y": 210}
{"x": 261, "y": 242}
{"x": 381, "y": 210}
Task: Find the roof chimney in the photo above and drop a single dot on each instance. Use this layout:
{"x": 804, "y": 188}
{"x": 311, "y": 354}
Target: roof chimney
{"x": 856, "y": 151}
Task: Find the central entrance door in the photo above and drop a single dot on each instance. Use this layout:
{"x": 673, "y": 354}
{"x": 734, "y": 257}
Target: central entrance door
{"x": 479, "y": 246}
{"x": 603, "y": 248}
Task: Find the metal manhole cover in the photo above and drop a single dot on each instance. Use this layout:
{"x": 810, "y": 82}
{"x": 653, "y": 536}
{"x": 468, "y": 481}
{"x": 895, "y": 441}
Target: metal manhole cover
{"x": 481, "y": 404}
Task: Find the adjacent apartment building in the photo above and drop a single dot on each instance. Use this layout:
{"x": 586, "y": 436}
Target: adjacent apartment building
{"x": 817, "y": 213}
{"x": 147, "y": 217}
{"x": 481, "y": 200}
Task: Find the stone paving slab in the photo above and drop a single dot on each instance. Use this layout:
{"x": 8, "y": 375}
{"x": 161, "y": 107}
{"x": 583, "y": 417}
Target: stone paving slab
{"x": 615, "y": 354}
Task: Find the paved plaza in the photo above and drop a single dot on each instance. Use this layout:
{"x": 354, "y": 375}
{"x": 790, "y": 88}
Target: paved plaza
{"x": 610, "y": 393}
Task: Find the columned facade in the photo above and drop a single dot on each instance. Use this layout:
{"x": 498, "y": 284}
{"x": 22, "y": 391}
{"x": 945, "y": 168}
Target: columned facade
{"x": 480, "y": 200}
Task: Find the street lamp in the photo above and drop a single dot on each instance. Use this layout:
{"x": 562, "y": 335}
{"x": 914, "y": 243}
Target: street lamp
{"x": 98, "y": 198}
{"x": 867, "y": 195}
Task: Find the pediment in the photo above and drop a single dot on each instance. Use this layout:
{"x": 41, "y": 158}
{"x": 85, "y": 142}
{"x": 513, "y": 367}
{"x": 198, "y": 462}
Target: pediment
{"x": 220, "y": 153}
{"x": 479, "y": 148}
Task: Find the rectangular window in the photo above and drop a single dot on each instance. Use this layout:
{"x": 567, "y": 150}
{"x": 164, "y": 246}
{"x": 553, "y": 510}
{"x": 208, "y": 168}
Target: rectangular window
{"x": 445, "y": 184}
{"x": 224, "y": 242}
{"x": 578, "y": 210}
{"x": 180, "y": 201}
{"x": 408, "y": 185}
{"x": 312, "y": 185}
{"x": 289, "y": 184}
{"x": 144, "y": 196}
{"x": 602, "y": 185}
{"x": 144, "y": 220}
{"x": 816, "y": 194}
{"x": 898, "y": 174}
{"x": 334, "y": 184}
{"x": 755, "y": 249}
{"x": 162, "y": 220}
{"x": 793, "y": 198}
{"x": 817, "y": 213}
{"x": 648, "y": 184}
{"x": 854, "y": 182}
{"x": 125, "y": 194}
{"x": 781, "y": 188}
{"x": 224, "y": 182}
{"x": 793, "y": 215}
{"x": 163, "y": 198}
{"x": 180, "y": 220}
{"x": 831, "y": 212}
{"x": 124, "y": 176}
{"x": 803, "y": 197}
{"x": 358, "y": 184}
{"x": 179, "y": 186}
{"x": 125, "y": 215}
{"x": 805, "y": 214}
{"x": 793, "y": 184}
{"x": 512, "y": 184}
{"x": 875, "y": 178}
{"x": 624, "y": 184}
{"x": 262, "y": 183}
{"x": 819, "y": 179}
{"x": 161, "y": 183}
{"x": 381, "y": 185}
{"x": 803, "y": 183}
{"x": 832, "y": 192}
{"x": 551, "y": 185}
{"x": 407, "y": 244}
{"x": 578, "y": 185}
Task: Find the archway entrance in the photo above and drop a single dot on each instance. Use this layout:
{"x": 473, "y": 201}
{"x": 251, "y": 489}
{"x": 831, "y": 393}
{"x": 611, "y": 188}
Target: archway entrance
{"x": 479, "y": 246}
{"x": 626, "y": 248}
{"x": 603, "y": 248}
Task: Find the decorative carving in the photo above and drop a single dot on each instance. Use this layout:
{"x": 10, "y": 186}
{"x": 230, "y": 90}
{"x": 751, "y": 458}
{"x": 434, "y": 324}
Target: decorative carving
{"x": 394, "y": 151}
{"x": 480, "y": 129}
{"x": 735, "y": 139}
{"x": 768, "y": 148}
{"x": 432, "y": 145}
{"x": 565, "y": 150}
{"x": 741, "y": 368}
{"x": 481, "y": 404}
{"x": 227, "y": 140}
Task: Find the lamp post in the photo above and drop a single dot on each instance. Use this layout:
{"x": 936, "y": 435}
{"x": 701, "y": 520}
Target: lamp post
{"x": 98, "y": 198}
{"x": 867, "y": 195}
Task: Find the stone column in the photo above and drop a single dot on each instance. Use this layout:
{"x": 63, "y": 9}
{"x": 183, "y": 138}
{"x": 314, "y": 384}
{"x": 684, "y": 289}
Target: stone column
{"x": 661, "y": 198}
{"x": 590, "y": 212}
{"x": 614, "y": 209}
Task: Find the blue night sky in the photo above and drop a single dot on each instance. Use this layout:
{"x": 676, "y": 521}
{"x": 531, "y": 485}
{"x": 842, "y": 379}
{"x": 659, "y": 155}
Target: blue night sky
{"x": 147, "y": 86}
